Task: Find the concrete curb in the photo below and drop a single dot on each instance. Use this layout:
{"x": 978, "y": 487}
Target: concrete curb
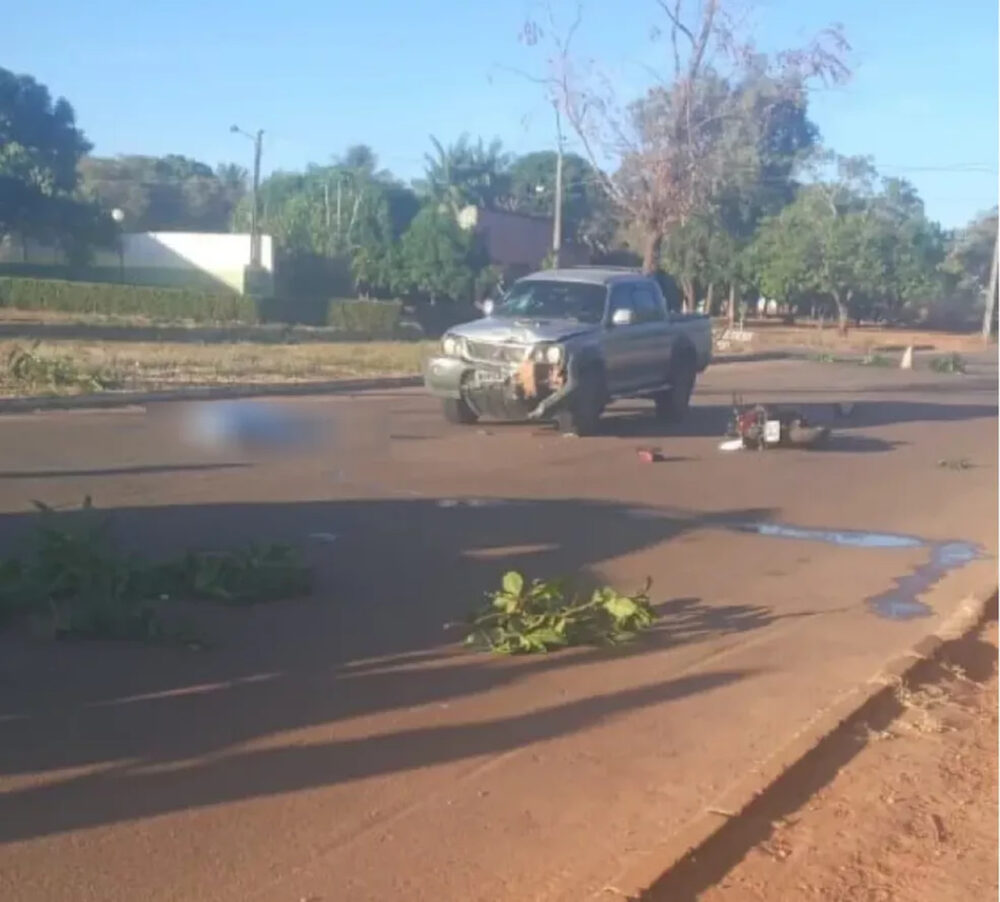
{"x": 270, "y": 390}
{"x": 205, "y": 393}
{"x": 637, "y": 880}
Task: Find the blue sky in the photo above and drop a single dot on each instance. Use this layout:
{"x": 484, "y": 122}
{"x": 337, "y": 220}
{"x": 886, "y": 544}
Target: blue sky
{"x": 318, "y": 76}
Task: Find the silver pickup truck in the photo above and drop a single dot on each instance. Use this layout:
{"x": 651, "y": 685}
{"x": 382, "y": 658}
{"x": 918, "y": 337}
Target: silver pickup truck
{"x": 562, "y": 344}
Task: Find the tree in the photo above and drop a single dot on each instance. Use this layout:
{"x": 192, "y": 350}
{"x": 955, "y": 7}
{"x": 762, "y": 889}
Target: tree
{"x": 674, "y": 145}
{"x": 466, "y": 174}
{"x": 439, "y": 260}
{"x": 40, "y": 146}
{"x": 970, "y": 257}
{"x": 588, "y": 218}
{"x": 171, "y": 193}
{"x": 868, "y": 249}
{"x": 337, "y": 223}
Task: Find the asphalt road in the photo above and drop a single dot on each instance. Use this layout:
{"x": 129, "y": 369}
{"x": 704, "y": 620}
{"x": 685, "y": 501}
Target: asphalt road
{"x": 342, "y": 748}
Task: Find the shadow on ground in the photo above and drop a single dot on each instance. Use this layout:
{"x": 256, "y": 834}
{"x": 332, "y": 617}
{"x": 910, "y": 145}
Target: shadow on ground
{"x": 140, "y": 470}
{"x": 370, "y": 640}
{"x": 711, "y": 420}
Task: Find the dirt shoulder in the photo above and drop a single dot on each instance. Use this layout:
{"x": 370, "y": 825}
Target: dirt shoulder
{"x": 913, "y": 817}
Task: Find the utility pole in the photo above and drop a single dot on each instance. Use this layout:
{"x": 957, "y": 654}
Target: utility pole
{"x": 557, "y": 216}
{"x": 258, "y": 141}
{"x": 991, "y": 294}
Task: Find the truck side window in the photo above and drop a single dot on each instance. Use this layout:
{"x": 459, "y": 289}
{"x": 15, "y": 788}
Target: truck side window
{"x": 646, "y": 305}
{"x": 621, "y": 298}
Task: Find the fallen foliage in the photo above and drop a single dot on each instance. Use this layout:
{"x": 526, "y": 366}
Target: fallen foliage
{"x": 544, "y": 615}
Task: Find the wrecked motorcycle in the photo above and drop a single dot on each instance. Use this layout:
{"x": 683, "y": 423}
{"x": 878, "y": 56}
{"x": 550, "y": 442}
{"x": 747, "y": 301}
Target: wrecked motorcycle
{"x": 757, "y": 427}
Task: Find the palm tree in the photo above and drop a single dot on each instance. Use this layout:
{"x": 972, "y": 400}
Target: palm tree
{"x": 467, "y": 174}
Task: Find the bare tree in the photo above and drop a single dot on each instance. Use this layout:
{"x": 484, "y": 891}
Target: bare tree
{"x": 662, "y": 157}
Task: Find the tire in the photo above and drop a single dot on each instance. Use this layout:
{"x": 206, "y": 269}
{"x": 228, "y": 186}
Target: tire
{"x": 583, "y": 412}
{"x": 672, "y": 405}
{"x": 457, "y": 411}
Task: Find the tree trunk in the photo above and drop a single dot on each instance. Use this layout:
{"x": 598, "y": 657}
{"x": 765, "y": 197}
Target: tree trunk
{"x": 709, "y": 298}
{"x": 687, "y": 289}
{"x": 651, "y": 253}
{"x": 842, "y": 313}
{"x": 732, "y": 306}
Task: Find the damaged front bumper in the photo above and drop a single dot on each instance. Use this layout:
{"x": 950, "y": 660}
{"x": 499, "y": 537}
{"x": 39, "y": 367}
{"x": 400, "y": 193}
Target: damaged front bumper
{"x": 528, "y": 391}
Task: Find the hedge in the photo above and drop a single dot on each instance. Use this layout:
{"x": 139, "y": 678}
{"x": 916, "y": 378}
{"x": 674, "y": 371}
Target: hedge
{"x": 367, "y": 319}
{"x": 126, "y": 300}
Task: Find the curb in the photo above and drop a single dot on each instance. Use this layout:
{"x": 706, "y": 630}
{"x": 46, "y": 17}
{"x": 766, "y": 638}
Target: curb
{"x": 205, "y": 393}
{"x": 686, "y": 845}
{"x": 221, "y": 392}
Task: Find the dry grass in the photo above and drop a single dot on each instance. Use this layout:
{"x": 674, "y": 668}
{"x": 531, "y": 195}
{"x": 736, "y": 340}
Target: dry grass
{"x": 76, "y": 366}
{"x": 769, "y": 336}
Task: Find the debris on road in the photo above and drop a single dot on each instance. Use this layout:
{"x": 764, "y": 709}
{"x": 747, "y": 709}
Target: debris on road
{"x": 960, "y": 463}
{"x": 650, "y": 455}
{"x": 544, "y": 615}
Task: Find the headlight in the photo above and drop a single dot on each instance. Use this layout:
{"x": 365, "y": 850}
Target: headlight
{"x": 552, "y": 354}
{"x": 451, "y": 345}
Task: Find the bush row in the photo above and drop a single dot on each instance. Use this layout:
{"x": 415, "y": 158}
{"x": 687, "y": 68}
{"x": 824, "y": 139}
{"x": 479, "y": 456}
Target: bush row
{"x": 355, "y": 318}
{"x": 126, "y": 300}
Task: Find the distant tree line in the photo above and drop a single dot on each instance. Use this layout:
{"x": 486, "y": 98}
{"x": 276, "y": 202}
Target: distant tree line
{"x": 719, "y": 180}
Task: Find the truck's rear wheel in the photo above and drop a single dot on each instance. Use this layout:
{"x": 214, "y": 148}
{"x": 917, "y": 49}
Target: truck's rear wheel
{"x": 673, "y": 403}
{"x": 457, "y": 411}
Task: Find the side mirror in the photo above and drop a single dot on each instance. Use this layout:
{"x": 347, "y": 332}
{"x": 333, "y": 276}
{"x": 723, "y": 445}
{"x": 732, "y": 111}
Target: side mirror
{"x": 621, "y": 317}
{"x": 488, "y": 307}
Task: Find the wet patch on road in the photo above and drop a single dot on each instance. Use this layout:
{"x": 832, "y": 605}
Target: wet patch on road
{"x": 901, "y": 602}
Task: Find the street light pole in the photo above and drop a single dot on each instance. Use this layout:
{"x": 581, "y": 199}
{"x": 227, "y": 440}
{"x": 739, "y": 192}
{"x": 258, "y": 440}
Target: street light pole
{"x": 557, "y": 217}
{"x": 258, "y": 141}
{"x": 991, "y": 294}
{"x": 118, "y": 215}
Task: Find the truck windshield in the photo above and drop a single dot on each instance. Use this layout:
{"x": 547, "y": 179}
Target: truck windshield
{"x": 581, "y": 301}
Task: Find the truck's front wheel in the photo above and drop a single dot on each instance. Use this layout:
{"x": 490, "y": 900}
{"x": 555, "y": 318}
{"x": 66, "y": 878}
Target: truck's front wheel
{"x": 672, "y": 405}
{"x": 457, "y": 411}
{"x": 583, "y": 411}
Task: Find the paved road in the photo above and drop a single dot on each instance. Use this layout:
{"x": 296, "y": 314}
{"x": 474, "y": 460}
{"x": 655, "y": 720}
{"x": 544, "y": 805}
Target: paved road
{"x": 339, "y": 748}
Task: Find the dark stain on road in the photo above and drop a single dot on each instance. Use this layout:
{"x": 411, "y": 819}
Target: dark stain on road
{"x": 901, "y": 602}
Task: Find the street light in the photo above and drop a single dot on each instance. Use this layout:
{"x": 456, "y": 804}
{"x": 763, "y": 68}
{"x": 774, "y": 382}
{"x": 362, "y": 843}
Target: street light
{"x": 254, "y": 236}
{"x": 118, "y": 215}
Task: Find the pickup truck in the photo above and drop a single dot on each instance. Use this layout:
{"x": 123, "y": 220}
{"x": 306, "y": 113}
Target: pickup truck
{"x": 562, "y": 344}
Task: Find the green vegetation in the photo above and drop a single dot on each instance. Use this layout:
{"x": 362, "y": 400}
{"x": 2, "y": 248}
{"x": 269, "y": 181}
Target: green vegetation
{"x": 364, "y": 319}
{"x": 953, "y": 363}
{"x": 40, "y": 149}
{"x": 126, "y": 300}
{"x": 75, "y": 579}
{"x": 545, "y": 615}
{"x": 714, "y": 173}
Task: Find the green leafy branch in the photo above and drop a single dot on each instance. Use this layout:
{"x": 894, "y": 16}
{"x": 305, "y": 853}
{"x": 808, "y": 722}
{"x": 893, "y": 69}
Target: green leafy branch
{"x": 545, "y": 615}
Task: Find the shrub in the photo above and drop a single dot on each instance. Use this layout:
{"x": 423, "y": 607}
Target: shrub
{"x": 75, "y": 577}
{"x": 365, "y": 319}
{"x": 949, "y": 363}
{"x": 126, "y": 300}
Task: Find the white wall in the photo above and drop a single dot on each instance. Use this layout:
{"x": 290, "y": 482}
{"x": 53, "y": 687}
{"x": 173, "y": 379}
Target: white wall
{"x": 218, "y": 255}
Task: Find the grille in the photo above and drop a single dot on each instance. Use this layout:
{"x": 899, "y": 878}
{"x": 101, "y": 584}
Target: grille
{"x": 487, "y": 352}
